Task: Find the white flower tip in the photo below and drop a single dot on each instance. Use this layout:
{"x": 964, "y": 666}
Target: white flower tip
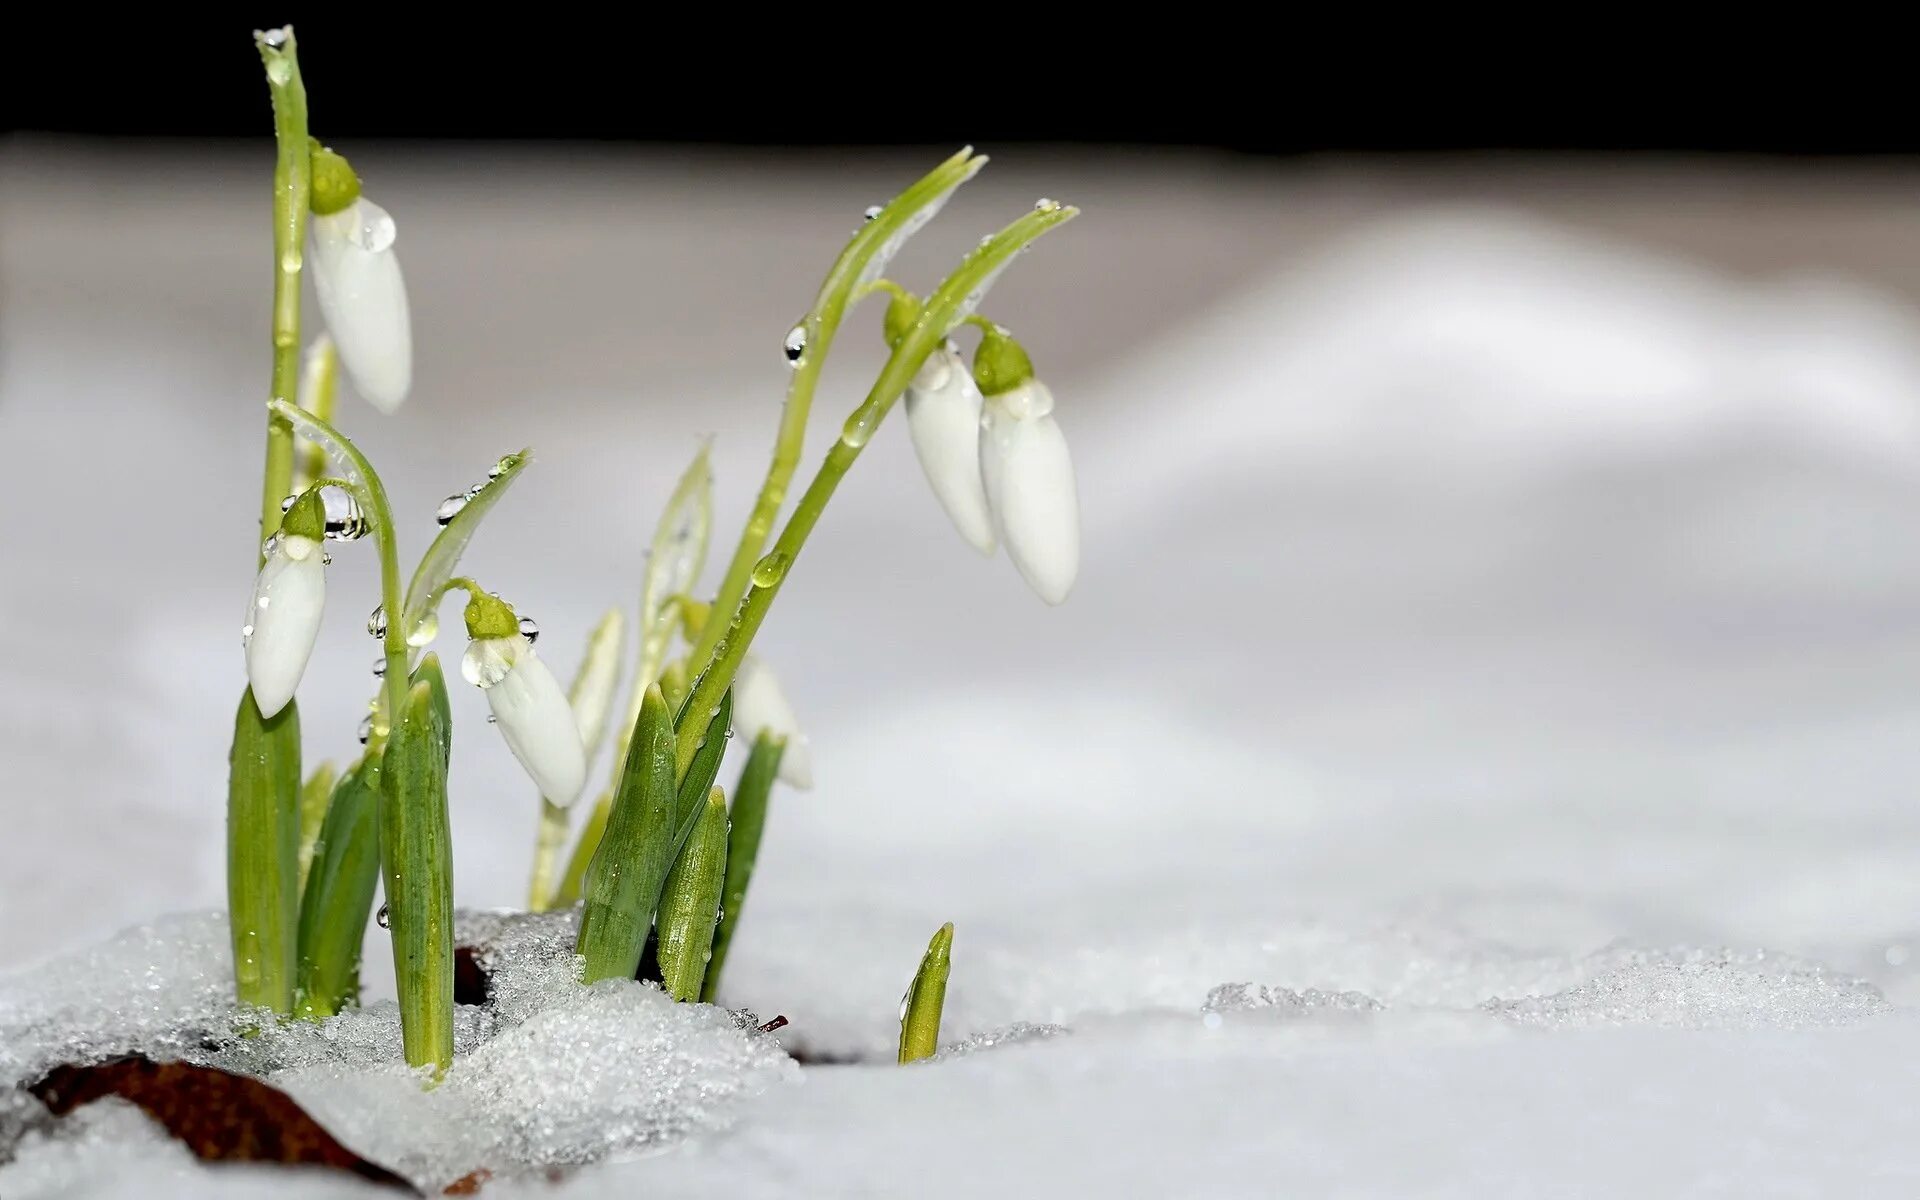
{"x": 796, "y": 764}
{"x": 364, "y": 300}
{"x": 1031, "y": 489}
{"x": 533, "y": 715}
{"x": 943, "y": 420}
{"x": 283, "y": 621}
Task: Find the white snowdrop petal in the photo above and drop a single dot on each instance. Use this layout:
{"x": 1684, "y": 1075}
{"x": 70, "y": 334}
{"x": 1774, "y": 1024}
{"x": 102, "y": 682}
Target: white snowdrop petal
{"x": 532, "y": 714}
{"x": 364, "y": 300}
{"x": 943, "y": 418}
{"x": 760, "y": 706}
{"x": 288, "y": 599}
{"x": 1030, "y": 488}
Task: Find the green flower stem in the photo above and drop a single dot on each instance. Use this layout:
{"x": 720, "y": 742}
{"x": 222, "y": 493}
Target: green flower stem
{"x": 292, "y": 184}
{"x": 749, "y": 820}
{"x": 319, "y": 387}
{"x": 927, "y": 999}
{"x": 690, "y": 902}
{"x": 547, "y": 844}
{"x": 315, "y": 794}
{"x": 568, "y": 891}
{"x": 895, "y": 222}
{"x": 948, "y": 304}
{"x": 263, "y": 853}
{"x": 339, "y": 894}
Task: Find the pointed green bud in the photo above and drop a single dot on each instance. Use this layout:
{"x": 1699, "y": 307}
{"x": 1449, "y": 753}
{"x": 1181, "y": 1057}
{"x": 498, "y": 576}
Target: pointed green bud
{"x": 490, "y": 617}
{"x": 307, "y": 518}
{"x": 902, "y": 311}
{"x": 335, "y": 186}
{"x": 1001, "y": 363}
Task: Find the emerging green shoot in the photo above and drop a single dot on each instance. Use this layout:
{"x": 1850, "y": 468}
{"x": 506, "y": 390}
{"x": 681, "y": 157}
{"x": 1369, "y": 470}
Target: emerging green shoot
{"x": 925, "y": 999}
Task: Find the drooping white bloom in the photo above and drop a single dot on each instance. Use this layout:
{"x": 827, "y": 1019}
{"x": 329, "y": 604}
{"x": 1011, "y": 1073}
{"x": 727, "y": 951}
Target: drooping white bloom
{"x": 531, "y": 712}
{"x": 364, "y": 300}
{"x": 1028, "y": 474}
{"x": 760, "y": 706}
{"x": 284, "y": 619}
{"x": 943, "y": 416}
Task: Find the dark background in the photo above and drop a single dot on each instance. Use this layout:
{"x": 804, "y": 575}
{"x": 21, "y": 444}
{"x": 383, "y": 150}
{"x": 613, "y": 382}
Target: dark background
{"x": 1266, "y": 84}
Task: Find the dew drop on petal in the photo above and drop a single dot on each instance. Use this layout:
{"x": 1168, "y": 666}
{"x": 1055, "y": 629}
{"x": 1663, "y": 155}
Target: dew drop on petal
{"x": 795, "y": 346}
{"x": 382, "y": 918}
{"x": 450, "y": 507}
{"x": 373, "y": 230}
{"x": 529, "y": 629}
{"x": 269, "y": 546}
{"x": 492, "y": 720}
{"x": 425, "y": 631}
{"x": 771, "y": 569}
{"x": 377, "y": 621}
{"x": 246, "y": 634}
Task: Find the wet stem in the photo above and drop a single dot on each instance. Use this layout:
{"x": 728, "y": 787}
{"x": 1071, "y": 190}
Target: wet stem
{"x": 945, "y": 308}
{"x": 292, "y": 185}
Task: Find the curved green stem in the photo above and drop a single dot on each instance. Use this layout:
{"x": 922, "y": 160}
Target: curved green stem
{"x": 949, "y": 304}
{"x": 877, "y": 238}
{"x": 292, "y": 184}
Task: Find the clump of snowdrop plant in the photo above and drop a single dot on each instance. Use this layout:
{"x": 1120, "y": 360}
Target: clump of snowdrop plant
{"x": 663, "y": 853}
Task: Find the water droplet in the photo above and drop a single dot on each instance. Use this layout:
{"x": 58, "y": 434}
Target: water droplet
{"x": 279, "y": 70}
{"x": 906, "y": 999}
{"x": 771, "y": 569}
{"x": 287, "y": 504}
{"x": 796, "y": 344}
{"x": 274, "y": 38}
{"x": 345, "y": 521}
{"x": 492, "y": 720}
{"x": 380, "y": 667}
{"x": 246, "y": 634}
{"x": 450, "y": 507}
{"x": 373, "y": 229}
{"x": 500, "y": 468}
{"x": 529, "y": 629}
{"x": 366, "y": 730}
{"x": 425, "y": 631}
{"x": 1043, "y": 204}
{"x": 859, "y": 427}
{"x": 382, "y": 918}
{"x": 377, "y": 621}
{"x": 290, "y": 261}
{"x": 269, "y": 546}
{"x": 873, "y": 210}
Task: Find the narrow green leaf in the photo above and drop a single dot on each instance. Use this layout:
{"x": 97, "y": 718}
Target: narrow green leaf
{"x": 339, "y": 894}
{"x": 443, "y": 557}
{"x": 623, "y": 883}
{"x": 568, "y": 891}
{"x": 705, "y": 767}
{"x": 440, "y": 706}
{"x": 416, "y": 856}
{"x": 690, "y": 902}
{"x": 926, "y": 998}
{"x": 679, "y": 549}
{"x": 314, "y": 795}
{"x": 749, "y": 819}
{"x": 263, "y": 853}
{"x": 598, "y": 678}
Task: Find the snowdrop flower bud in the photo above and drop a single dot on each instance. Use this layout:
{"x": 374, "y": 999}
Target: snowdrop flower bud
{"x": 759, "y": 706}
{"x": 943, "y": 416}
{"x": 288, "y": 596}
{"x": 529, "y": 707}
{"x": 357, "y": 277}
{"x": 1027, "y": 470}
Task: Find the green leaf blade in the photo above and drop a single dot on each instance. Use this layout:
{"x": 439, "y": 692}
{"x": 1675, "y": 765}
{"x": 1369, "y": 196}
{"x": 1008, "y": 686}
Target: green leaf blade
{"x": 416, "y": 856}
{"x": 749, "y": 820}
{"x": 339, "y": 894}
{"x": 263, "y": 853}
{"x": 442, "y": 558}
{"x": 927, "y": 999}
{"x": 690, "y": 902}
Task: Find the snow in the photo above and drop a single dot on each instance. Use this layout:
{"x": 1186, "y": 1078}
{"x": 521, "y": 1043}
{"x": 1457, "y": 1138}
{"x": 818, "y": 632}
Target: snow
{"x": 1476, "y": 761}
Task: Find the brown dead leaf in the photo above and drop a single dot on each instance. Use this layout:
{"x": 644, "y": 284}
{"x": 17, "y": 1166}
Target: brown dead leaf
{"x": 222, "y": 1117}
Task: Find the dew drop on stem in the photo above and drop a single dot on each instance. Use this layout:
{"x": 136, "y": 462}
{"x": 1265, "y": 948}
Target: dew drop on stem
{"x": 366, "y": 730}
{"x": 345, "y": 521}
{"x": 380, "y": 667}
{"x": 771, "y": 569}
{"x": 382, "y": 919}
{"x": 377, "y": 621}
{"x": 795, "y": 346}
{"x": 873, "y": 210}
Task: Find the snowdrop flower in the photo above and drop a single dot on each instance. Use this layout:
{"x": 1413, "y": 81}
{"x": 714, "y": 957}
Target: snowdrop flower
{"x": 943, "y": 417}
{"x": 288, "y": 596}
{"x": 529, "y": 707}
{"x": 759, "y": 706}
{"x": 1027, "y": 469}
{"x": 357, "y": 277}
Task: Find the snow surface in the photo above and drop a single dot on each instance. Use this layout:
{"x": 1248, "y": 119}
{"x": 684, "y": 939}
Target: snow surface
{"x": 1476, "y": 760}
